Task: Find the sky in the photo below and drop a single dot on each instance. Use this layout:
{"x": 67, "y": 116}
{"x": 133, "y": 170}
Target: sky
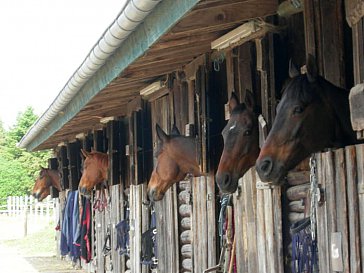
{"x": 42, "y": 44}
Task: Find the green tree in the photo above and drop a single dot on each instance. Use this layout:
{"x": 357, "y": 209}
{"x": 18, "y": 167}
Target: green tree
{"x": 18, "y": 168}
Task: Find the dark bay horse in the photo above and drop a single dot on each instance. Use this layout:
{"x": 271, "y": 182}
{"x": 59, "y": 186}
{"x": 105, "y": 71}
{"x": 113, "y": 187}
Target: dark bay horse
{"x": 46, "y": 179}
{"x": 176, "y": 157}
{"x": 95, "y": 171}
{"x": 312, "y": 115}
{"x": 241, "y": 143}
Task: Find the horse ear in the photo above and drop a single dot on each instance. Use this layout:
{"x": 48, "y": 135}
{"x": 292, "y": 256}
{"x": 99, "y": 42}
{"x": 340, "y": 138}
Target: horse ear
{"x": 293, "y": 70}
{"x": 312, "y": 72}
{"x": 163, "y": 137}
{"x": 175, "y": 131}
{"x": 249, "y": 100}
{"x": 233, "y": 102}
{"x": 84, "y": 153}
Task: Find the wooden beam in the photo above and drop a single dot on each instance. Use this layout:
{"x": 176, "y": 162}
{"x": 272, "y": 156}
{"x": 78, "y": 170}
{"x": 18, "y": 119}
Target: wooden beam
{"x": 219, "y": 16}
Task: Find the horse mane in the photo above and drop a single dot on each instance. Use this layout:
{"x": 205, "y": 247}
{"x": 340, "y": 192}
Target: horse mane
{"x": 301, "y": 91}
{"x": 48, "y": 172}
{"x": 159, "y": 148}
{"x": 337, "y": 99}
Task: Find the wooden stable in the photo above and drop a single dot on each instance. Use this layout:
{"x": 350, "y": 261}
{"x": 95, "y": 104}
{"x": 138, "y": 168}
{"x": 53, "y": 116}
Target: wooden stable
{"x": 196, "y": 83}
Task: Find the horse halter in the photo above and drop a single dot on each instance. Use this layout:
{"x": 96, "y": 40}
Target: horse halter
{"x": 102, "y": 199}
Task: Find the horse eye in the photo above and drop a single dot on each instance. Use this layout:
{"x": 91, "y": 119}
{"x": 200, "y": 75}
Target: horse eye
{"x": 247, "y": 132}
{"x": 298, "y": 110}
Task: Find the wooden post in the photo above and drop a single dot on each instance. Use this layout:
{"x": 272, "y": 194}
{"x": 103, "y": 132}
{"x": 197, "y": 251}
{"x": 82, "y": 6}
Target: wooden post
{"x": 25, "y": 226}
{"x": 48, "y": 203}
{"x": 18, "y": 208}
{"x": 8, "y": 202}
{"x": 31, "y": 206}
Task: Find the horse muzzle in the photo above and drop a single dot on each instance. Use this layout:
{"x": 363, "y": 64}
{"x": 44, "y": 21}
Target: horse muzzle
{"x": 83, "y": 191}
{"x": 154, "y": 195}
{"x": 227, "y": 183}
{"x": 270, "y": 170}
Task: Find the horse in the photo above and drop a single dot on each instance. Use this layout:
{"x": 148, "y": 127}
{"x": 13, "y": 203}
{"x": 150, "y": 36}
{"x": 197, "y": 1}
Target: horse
{"x": 312, "y": 115}
{"x": 95, "y": 171}
{"x": 241, "y": 143}
{"x": 47, "y": 177}
{"x": 176, "y": 158}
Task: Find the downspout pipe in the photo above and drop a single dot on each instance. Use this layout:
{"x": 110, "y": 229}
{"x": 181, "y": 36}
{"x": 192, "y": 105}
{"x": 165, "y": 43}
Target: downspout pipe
{"x": 133, "y": 13}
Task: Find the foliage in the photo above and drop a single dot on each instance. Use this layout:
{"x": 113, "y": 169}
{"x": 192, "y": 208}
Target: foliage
{"x": 18, "y": 168}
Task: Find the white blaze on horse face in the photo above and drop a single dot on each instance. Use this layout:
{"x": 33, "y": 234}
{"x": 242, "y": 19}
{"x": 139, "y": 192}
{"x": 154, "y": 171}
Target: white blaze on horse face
{"x": 232, "y": 127}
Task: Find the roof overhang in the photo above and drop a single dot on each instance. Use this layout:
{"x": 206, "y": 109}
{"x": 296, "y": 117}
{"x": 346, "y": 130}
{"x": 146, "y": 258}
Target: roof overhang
{"x": 173, "y": 34}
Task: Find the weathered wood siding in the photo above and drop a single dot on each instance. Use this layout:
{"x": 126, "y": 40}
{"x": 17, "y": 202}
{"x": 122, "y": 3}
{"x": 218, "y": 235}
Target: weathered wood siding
{"x": 166, "y": 209}
{"x": 258, "y": 226}
{"x": 341, "y": 176}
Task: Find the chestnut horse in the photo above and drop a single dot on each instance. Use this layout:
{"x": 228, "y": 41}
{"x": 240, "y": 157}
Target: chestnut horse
{"x": 46, "y": 179}
{"x": 95, "y": 171}
{"x": 176, "y": 157}
{"x": 241, "y": 143}
{"x": 312, "y": 115}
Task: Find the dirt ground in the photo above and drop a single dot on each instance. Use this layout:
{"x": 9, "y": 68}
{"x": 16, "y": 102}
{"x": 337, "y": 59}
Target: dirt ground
{"x": 35, "y": 253}
{"x": 52, "y": 265}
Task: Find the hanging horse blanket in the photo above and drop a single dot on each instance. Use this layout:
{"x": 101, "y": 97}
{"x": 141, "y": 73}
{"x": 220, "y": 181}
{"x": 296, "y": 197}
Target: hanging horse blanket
{"x": 70, "y": 226}
{"x": 304, "y": 249}
{"x": 122, "y": 235}
{"x": 149, "y": 244}
{"x": 84, "y": 234}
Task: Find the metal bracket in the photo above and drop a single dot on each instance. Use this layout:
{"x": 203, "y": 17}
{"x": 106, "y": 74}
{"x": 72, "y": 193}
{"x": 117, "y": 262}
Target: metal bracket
{"x": 262, "y": 185}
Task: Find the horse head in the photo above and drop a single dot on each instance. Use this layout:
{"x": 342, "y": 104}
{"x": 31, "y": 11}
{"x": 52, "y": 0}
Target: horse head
{"x": 176, "y": 157}
{"x": 95, "y": 171}
{"x": 312, "y": 115}
{"x": 45, "y": 180}
{"x": 241, "y": 143}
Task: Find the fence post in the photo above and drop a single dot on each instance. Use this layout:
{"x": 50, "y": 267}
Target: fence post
{"x": 31, "y": 206}
{"x": 47, "y": 208}
{"x": 21, "y": 205}
{"x": 25, "y": 217}
{"x": 17, "y": 209}
{"x": 41, "y": 209}
{"x": 8, "y": 202}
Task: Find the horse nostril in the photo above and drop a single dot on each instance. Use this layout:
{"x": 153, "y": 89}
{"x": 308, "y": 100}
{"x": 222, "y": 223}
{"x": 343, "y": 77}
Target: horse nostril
{"x": 223, "y": 179}
{"x": 226, "y": 179}
{"x": 82, "y": 190}
{"x": 266, "y": 166}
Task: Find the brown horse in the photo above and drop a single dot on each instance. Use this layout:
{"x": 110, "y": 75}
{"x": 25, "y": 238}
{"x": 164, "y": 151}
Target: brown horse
{"x": 95, "y": 171}
{"x": 46, "y": 179}
{"x": 241, "y": 143}
{"x": 176, "y": 157}
{"x": 312, "y": 115}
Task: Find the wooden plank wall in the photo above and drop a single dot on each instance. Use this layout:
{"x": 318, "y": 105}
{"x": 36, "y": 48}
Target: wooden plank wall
{"x": 324, "y": 22}
{"x": 258, "y": 225}
{"x": 166, "y": 209}
{"x": 341, "y": 175}
{"x": 204, "y": 223}
{"x": 117, "y": 214}
{"x": 358, "y": 51}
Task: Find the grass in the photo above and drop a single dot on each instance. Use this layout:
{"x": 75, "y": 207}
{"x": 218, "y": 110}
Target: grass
{"x": 40, "y": 243}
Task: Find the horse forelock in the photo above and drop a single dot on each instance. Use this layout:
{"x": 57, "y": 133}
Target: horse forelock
{"x": 298, "y": 90}
{"x": 100, "y": 158}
